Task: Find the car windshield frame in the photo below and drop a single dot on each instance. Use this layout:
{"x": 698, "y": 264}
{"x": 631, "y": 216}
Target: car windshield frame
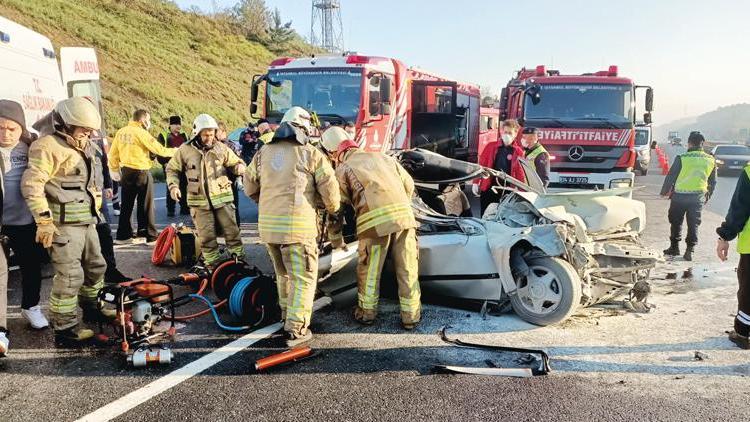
{"x": 735, "y": 150}
{"x": 340, "y": 87}
{"x": 555, "y": 105}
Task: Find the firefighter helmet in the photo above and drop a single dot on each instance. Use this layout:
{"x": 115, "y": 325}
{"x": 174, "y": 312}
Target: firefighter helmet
{"x": 299, "y": 117}
{"x": 203, "y": 121}
{"x": 333, "y": 137}
{"x": 79, "y": 111}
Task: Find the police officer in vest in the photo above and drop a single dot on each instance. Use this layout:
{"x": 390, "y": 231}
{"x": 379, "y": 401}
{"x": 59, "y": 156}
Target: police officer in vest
{"x": 535, "y": 153}
{"x": 737, "y": 224}
{"x": 689, "y": 184}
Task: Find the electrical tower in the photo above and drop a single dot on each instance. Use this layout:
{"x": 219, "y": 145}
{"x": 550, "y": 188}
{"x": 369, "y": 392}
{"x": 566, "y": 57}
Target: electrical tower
{"x": 326, "y": 29}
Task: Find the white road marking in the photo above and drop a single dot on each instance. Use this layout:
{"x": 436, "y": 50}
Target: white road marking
{"x": 153, "y": 389}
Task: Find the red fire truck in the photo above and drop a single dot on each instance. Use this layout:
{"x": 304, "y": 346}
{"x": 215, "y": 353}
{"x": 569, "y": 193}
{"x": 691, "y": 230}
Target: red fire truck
{"x": 586, "y": 122}
{"x": 391, "y": 106}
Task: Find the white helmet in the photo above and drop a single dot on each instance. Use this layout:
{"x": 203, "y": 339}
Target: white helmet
{"x": 203, "y": 121}
{"x": 333, "y": 137}
{"x": 299, "y": 117}
{"x": 79, "y": 111}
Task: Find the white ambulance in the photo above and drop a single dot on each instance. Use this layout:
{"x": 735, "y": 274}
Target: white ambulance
{"x": 31, "y": 75}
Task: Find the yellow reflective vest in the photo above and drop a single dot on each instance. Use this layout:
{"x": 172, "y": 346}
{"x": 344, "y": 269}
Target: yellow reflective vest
{"x": 696, "y": 168}
{"x": 380, "y": 191}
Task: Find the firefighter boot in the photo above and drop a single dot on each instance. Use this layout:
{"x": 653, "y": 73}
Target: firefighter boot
{"x": 688, "y": 253}
{"x": 673, "y": 250}
{"x": 92, "y": 314}
{"x": 294, "y": 340}
{"x": 742, "y": 341}
{"x": 73, "y": 336}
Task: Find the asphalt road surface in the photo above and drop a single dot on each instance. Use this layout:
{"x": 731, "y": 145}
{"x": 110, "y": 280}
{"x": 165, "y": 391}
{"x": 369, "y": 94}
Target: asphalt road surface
{"x": 607, "y": 364}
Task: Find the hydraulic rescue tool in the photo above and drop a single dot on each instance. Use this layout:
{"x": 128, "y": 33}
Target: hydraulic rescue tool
{"x": 142, "y": 304}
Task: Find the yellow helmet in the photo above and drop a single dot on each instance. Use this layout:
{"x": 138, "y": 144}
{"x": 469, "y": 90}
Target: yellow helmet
{"x": 299, "y": 117}
{"x": 79, "y": 111}
{"x": 333, "y": 137}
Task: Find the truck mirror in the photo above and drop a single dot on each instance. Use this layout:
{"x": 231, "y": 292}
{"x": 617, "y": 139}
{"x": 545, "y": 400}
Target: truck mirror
{"x": 649, "y": 99}
{"x": 253, "y": 108}
{"x": 653, "y": 144}
{"x": 385, "y": 91}
{"x": 647, "y": 117}
{"x": 535, "y": 93}
{"x": 254, "y": 93}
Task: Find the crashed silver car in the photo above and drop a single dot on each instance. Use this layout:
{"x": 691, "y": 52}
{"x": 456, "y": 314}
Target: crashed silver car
{"x": 547, "y": 253}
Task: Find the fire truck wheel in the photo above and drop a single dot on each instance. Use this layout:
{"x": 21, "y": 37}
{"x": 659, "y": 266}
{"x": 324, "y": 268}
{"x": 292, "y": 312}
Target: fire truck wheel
{"x": 549, "y": 294}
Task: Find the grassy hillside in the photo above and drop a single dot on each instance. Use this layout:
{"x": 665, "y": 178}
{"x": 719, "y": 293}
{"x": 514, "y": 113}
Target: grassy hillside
{"x": 154, "y": 55}
{"x": 721, "y": 125}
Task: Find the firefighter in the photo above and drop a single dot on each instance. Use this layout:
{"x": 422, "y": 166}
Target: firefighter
{"x": 63, "y": 189}
{"x": 207, "y": 164}
{"x": 737, "y": 224}
{"x": 689, "y": 184}
{"x": 535, "y": 153}
{"x": 380, "y": 191}
{"x": 287, "y": 178}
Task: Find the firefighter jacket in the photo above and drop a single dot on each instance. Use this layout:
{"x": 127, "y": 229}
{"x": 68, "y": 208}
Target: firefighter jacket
{"x": 266, "y": 137}
{"x": 380, "y": 191}
{"x": 287, "y": 177}
{"x": 132, "y": 146}
{"x": 207, "y": 172}
{"x": 737, "y": 221}
{"x": 63, "y": 182}
{"x": 691, "y": 173}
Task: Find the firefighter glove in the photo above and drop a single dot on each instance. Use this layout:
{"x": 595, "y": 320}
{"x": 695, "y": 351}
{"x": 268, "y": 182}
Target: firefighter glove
{"x": 45, "y": 232}
{"x": 239, "y": 169}
{"x": 174, "y": 193}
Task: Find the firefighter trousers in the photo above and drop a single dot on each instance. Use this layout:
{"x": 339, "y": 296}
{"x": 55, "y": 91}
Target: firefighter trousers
{"x": 296, "y": 267}
{"x": 218, "y": 220}
{"x": 405, "y": 254}
{"x": 79, "y": 273}
{"x": 742, "y": 320}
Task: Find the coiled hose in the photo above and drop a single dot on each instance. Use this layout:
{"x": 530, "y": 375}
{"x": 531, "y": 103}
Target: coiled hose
{"x": 163, "y": 244}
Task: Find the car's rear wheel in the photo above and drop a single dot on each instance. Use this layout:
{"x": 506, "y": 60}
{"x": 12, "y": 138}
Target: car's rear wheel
{"x": 644, "y": 171}
{"x": 549, "y": 294}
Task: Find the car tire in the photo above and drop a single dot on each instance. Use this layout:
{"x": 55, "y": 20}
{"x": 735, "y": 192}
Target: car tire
{"x": 554, "y": 280}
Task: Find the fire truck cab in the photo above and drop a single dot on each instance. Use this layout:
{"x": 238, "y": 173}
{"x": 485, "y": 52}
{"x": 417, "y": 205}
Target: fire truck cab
{"x": 586, "y": 122}
{"x": 389, "y": 105}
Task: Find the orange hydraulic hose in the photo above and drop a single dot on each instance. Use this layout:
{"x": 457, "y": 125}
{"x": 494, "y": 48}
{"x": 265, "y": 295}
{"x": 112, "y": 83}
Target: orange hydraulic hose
{"x": 163, "y": 243}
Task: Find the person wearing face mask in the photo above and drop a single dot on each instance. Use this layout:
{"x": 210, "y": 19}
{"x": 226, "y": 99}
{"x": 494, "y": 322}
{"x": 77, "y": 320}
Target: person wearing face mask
{"x": 535, "y": 153}
{"x": 130, "y": 164}
{"x": 63, "y": 189}
{"x": 207, "y": 164}
{"x": 502, "y": 156}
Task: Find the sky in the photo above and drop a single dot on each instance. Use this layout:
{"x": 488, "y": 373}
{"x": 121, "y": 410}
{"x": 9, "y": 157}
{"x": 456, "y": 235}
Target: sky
{"x": 695, "y": 54}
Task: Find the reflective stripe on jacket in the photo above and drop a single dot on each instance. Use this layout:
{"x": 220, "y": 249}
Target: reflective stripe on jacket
{"x": 63, "y": 182}
{"x": 287, "y": 178}
{"x": 696, "y": 168}
{"x": 132, "y": 147}
{"x": 380, "y": 191}
{"x": 206, "y": 170}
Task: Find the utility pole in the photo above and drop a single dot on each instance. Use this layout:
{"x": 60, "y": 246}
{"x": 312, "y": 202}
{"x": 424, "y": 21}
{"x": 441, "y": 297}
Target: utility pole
{"x": 326, "y": 29}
